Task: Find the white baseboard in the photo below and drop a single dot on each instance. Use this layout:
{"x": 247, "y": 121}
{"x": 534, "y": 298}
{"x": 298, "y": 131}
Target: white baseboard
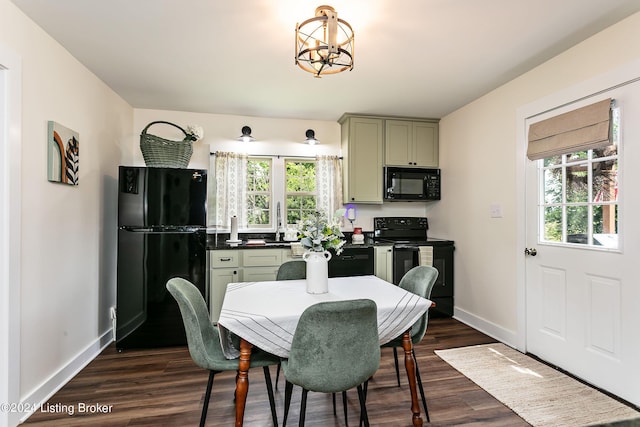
{"x": 494, "y": 331}
{"x": 48, "y": 388}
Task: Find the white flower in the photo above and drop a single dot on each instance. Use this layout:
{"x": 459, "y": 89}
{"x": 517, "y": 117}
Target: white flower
{"x": 319, "y": 234}
{"x": 195, "y": 132}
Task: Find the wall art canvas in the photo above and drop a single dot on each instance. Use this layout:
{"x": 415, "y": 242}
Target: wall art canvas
{"x": 63, "y": 146}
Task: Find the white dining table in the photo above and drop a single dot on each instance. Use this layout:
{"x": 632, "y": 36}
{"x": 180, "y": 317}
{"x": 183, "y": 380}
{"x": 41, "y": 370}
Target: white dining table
{"x": 265, "y": 315}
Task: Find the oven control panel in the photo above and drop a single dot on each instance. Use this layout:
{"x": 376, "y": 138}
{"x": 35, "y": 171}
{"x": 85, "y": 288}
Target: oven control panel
{"x": 400, "y": 223}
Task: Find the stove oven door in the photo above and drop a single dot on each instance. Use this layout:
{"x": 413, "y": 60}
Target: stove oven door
{"x": 404, "y": 259}
{"x": 407, "y": 257}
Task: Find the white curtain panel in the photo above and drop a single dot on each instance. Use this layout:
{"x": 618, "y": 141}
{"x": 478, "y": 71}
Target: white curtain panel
{"x": 329, "y": 184}
{"x": 231, "y": 189}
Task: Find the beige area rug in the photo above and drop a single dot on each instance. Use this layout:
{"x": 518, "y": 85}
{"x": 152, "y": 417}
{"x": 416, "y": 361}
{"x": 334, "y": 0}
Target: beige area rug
{"x": 538, "y": 393}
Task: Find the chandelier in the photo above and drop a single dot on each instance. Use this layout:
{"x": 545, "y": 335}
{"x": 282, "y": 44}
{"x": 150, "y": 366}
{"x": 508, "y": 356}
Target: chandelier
{"x": 324, "y": 44}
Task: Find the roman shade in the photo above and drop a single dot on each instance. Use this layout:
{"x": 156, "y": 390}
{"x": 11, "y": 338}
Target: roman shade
{"x": 578, "y": 130}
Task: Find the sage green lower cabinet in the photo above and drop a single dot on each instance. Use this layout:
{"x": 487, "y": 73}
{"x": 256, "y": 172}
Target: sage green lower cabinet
{"x": 240, "y": 265}
{"x": 383, "y": 256}
{"x": 224, "y": 269}
{"x": 219, "y": 278}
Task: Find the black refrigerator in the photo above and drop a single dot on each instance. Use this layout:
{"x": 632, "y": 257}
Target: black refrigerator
{"x": 161, "y": 234}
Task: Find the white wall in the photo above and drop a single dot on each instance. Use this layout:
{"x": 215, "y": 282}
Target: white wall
{"x": 68, "y": 232}
{"x": 479, "y": 166}
{"x": 273, "y": 137}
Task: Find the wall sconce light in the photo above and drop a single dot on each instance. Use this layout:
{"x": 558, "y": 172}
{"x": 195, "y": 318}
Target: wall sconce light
{"x": 246, "y": 135}
{"x": 311, "y": 137}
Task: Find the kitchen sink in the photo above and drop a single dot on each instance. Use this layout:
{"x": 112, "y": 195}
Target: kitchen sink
{"x": 278, "y": 244}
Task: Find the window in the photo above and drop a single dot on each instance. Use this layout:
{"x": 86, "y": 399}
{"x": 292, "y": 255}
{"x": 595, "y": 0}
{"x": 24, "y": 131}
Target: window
{"x": 266, "y": 191}
{"x": 259, "y": 193}
{"x": 579, "y": 200}
{"x": 270, "y": 180}
{"x": 300, "y": 190}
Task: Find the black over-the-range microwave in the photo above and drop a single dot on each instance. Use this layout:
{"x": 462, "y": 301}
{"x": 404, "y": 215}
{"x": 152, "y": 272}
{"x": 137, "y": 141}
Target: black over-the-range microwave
{"x": 411, "y": 184}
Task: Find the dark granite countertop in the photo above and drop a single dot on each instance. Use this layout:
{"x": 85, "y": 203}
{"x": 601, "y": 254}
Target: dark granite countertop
{"x": 271, "y": 243}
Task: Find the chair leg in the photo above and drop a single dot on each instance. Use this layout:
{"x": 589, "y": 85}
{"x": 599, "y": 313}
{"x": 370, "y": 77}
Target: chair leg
{"x": 333, "y": 398}
{"x": 303, "y": 406}
{"x": 272, "y": 402}
{"x": 207, "y": 396}
{"x": 344, "y": 407}
{"x": 288, "y": 388}
{"x": 419, "y": 380}
{"x": 365, "y": 389}
{"x": 395, "y": 359}
{"x": 278, "y": 374}
{"x": 363, "y": 407}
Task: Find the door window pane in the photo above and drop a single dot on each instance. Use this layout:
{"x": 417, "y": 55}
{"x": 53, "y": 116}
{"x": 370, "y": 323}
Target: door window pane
{"x": 605, "y": 225}
{"x": 605, "y": 181}
{"x": 577, "y": 183}
{"x": 550, "y": 161}
{"x": 577, "y": 224}
{"x": 553, "y": 224}
{"x": 552, "y": 185}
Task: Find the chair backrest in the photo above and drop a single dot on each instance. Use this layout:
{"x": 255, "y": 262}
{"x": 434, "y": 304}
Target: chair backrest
{"x": 292, "y": 270}
{"x": 419, "y": 280}
{"x": 335, "y": 346}
{"x": 202, "y": 338}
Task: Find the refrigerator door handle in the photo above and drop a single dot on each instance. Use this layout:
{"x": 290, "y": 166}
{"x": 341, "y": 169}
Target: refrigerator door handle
{"x": 159, "y": 230}
{"x": 136, "y": 229}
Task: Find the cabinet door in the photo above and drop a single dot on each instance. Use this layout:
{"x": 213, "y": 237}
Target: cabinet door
{"x": 384, "y": 263}
{"x": 363, "y": 177}
{"x": 398, "y": 143}
{"x": 220, "y": 277}
{"x": 259, "y": 274}
{"x": 425, "y": 137}
{"x": 261, "y": 258}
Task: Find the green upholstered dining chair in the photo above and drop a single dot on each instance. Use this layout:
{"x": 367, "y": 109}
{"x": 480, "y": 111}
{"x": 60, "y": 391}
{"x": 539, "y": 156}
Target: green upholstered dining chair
{"x": 204, "y": 342}
{"x": 335, "y": 348}
{"x": 292, "y": 270}
{"x": 419, "y": 280}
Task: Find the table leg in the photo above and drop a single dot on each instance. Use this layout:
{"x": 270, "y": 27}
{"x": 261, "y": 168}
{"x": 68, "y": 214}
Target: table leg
{"x": 410, "y": 365}
{"x": 242, "y": 380}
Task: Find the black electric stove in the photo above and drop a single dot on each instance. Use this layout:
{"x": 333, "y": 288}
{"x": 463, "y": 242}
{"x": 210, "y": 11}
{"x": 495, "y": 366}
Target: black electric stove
{"x": 407, "y": 234}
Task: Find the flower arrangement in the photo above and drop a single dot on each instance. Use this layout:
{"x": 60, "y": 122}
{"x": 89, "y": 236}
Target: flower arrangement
{"x": 195, "y": 132}
{"x": 318, "y": 234}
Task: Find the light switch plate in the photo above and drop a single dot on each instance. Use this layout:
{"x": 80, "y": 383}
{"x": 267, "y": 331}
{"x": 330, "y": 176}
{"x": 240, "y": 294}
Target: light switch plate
{"x": 496, "y": 210}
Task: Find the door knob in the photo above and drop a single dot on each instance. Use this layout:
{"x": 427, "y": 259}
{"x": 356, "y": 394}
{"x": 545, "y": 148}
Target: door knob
{"x": 532, "y": 251}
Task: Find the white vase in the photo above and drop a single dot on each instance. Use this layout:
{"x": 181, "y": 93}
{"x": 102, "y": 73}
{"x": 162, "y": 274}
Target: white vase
{"x": 317, "y": 271}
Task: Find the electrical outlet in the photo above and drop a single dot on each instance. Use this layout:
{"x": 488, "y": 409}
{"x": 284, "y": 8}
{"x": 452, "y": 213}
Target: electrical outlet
{"x": 496, "y": 210}
{"x": 112, "y": 313}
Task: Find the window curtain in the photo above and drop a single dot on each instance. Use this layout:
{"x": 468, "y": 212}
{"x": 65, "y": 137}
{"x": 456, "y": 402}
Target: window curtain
{"x": 582, "y": 129}
{"x": 329, "y": 184}
{"x": 231, "y": 189}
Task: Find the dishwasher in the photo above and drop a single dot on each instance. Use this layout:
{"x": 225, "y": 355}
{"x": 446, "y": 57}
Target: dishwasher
{"x": 352, "y": 261}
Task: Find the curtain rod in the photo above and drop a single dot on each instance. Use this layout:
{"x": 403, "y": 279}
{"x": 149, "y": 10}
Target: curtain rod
{"x": 276, "y": 156}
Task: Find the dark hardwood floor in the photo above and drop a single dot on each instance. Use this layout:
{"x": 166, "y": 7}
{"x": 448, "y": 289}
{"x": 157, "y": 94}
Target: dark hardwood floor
{"x": 163, "y": 387}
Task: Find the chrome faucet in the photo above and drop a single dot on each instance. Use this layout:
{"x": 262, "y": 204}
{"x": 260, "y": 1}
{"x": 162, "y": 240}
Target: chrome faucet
{"x": 278, "y": 222}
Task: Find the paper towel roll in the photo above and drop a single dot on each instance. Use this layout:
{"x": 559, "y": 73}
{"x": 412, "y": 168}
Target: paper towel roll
{"x": 234, "y": 229}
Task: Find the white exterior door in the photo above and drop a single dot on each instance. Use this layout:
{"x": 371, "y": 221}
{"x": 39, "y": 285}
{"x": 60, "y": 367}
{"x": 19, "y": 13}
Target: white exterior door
{"x": 582, "y": 284}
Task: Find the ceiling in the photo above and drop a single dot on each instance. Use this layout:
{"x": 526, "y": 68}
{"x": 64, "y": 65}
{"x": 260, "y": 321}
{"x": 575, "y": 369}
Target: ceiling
{"x": 421, "y": 58}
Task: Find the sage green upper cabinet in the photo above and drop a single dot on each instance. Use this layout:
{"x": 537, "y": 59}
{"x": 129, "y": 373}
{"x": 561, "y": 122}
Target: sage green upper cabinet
{"x": 362, "y": 152}
{"x": 411, "y": 143}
